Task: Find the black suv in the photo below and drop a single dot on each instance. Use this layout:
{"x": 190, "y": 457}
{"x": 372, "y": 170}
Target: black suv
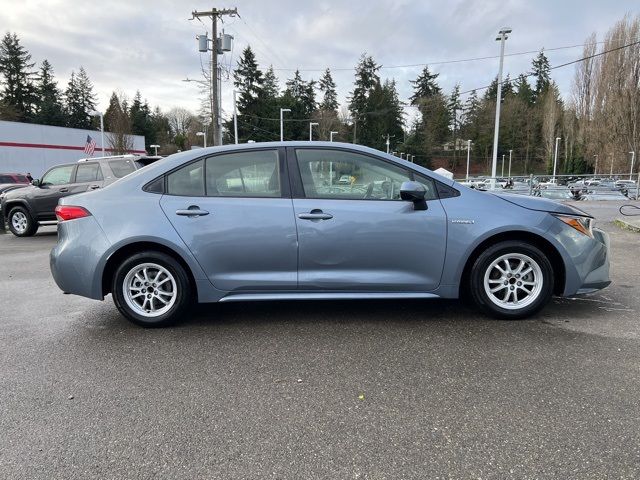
{"x": 26, "y": 208}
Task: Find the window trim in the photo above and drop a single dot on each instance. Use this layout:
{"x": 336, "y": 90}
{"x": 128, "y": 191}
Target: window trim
{"x": 297, "y": 185}
{"x": 285, "y": 191}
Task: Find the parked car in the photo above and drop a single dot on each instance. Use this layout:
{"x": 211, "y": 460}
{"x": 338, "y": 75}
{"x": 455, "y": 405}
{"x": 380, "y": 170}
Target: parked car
{"x": 25, "y": 208}
{"x": 252, "y": 222}
{"x": 6, "y": 178}
{"x": 558, "y": 194}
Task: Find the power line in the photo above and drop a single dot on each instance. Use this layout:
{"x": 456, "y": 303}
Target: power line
{"x": 562, "y": 65}
{"x": 442, "y": 62}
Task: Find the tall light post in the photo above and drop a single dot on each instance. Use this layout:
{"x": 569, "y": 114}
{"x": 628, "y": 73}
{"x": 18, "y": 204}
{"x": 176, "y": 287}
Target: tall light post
{"x": 155, "y": 149}
{"x": 633, "y": 157}
{"x": 203, "y": 135}
{"x": 468, "y": 156}
{"x": 331, "y": 134}
{"x": 311, "y": 125}
{"x": 282, "y": 110}
{"x": 235, "y": 117}
{"x": 494, "y": 166}
{"x": 595, "y": 167}
{"x": 95, "y": 113}
{"x": 555, "y": 160}
{"x": 611, "y": 172}
{"x": 510, "y": 152}
{"x": 502, "y": 174}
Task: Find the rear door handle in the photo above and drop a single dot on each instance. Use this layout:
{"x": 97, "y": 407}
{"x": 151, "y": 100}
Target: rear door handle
{"x": 315, "y": 214}
{"x": 63, "y": 190}
{"x": 192, "y": 211}
{"x": 94, "y": 187}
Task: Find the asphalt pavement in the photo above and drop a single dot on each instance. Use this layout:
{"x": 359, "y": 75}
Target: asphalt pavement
{"x": 305, "y": 390}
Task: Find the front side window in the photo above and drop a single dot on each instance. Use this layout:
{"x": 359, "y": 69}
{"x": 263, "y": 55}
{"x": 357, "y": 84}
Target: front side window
{"x": 88, "y": 172}
{"x": 244, "y": 174}
{"x": 122, "y": 168}
{"x": 337, "y": 174}
{"x": 58, "y": 175}
{"x": 187, "y": 181}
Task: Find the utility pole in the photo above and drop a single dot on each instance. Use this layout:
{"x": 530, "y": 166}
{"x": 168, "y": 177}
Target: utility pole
{"x": 235, "y": 117}
{"x": 633, "y": 157}
{"x": 214, "y": 14}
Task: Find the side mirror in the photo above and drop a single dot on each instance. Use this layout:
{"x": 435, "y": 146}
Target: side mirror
{"x": 36, "y": 182}
{"x": 414, "y": 192}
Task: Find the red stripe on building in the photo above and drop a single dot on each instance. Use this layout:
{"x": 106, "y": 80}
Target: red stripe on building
{"x": 58, "y": 147}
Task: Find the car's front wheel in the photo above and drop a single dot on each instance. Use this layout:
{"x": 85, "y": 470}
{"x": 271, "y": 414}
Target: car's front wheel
{"x": 21, "y": 223}
{"x": 152, "y": 289}
{"x": 511, "y": 280}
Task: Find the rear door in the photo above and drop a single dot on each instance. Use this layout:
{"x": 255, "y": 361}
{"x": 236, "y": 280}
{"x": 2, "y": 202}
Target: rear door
{"x": 234, "y": 212}
{"x": 360, "y": 235}
{"x": 88, "y": 177}
{"x": 55, "y": 184}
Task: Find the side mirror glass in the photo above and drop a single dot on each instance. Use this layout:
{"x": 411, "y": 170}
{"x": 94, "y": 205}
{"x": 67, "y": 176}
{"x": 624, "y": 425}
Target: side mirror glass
{"x": 36, "y": 182}
{"x": 414, "y": 192}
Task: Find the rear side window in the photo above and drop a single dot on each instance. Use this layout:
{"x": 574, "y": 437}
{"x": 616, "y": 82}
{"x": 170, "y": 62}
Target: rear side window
{"x": 244, "y": 174}
{"x": 88, "y": 172}
{"x": 58, "y": 175}
{"x": 122, "y": 168}
{"x": 188, "y": 181}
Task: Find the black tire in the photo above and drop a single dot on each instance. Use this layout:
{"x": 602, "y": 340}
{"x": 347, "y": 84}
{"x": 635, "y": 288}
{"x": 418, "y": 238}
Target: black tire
{"x": 183, "y": 292}
{"x": 31, "y": 225}
{"x": 533, "y": 302}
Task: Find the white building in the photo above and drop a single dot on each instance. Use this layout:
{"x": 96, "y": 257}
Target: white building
{"x": 26, "y": 147}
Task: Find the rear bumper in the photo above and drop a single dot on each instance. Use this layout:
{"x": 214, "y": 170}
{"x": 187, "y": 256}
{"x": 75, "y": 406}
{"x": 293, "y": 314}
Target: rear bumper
{"x": 75, "y": 258}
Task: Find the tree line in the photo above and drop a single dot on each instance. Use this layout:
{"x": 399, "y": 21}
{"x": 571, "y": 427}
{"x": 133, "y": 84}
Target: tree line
{"x": 597, "y": 123}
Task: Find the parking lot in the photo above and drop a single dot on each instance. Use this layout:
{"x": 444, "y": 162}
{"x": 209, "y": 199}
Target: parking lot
{"x": 376, "y": 389}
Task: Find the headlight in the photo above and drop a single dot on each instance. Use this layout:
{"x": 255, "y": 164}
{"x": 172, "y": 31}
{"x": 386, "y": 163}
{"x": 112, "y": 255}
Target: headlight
{"x": 582, "y": 224}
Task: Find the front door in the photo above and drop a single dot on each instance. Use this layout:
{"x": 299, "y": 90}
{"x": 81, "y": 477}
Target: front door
{"x": 55, "y": 184}
{"x": 234, "y": 213}
{"x": 354, "y": 231}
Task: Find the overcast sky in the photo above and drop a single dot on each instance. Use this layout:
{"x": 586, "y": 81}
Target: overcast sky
{"x": 150, "y": 45}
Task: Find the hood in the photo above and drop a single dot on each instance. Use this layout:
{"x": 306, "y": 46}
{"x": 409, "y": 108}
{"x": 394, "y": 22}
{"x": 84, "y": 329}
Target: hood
{"x": 540, "y": 204}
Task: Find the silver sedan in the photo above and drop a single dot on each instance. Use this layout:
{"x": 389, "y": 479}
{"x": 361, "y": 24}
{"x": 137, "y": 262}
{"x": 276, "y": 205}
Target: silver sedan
{"x": 273, "y": 221}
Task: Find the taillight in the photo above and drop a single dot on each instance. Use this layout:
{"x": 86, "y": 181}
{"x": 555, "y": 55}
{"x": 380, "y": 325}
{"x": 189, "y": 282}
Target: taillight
{"x": 70, "y": 212}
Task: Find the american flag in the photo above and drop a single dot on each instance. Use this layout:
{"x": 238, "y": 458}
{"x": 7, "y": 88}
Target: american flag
{"x": 90, "y": 146}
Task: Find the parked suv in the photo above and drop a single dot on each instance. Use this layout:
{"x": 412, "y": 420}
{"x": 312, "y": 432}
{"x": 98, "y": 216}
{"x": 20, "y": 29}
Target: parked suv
{"x": 13, "y": 178}
{"x": 26, "y": 208}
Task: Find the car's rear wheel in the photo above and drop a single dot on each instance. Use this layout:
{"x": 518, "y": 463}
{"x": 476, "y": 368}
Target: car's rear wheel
{"x": 511, "y": 280}
{"x": 152, "y": 289}
{"x": 21, "y": 223}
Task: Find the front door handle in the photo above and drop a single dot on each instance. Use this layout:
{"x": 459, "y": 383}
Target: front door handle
{"x": 192, "y": 211}
{"x": 94, "y": 187}
{"x": 315, "y": 214}
{"x": 63, "y": 190}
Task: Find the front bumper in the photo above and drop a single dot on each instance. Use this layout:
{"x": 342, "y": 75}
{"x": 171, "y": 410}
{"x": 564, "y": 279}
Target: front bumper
{"x": 75, "y": 259}
{"x": 597, "y": 267}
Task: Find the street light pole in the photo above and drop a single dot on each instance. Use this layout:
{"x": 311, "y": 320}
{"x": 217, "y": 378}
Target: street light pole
{"x": 468, "y": 156}
{"x": 282, "y": 110}
{"x": 595, "y": 167}
{"x": 155, "y": 149}
{"x": 494, "y": 165}
{"x": 331, "y": 136}
{"x": 633, "y": 157}
{"x": 611, "y": 172}
{"x": 510, "y": 152}
{"x": 204, "y": 136}
{"x": 235, "y": 117}
{"x": 502, "y": 174}
{"x": 555, "y": 160}
{"x": 311, "y": 125}
{"x": 95, "y": 113}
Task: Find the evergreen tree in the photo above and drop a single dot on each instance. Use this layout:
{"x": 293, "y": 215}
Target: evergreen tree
{"x": 523, "y": 89}
{"x": 18, "y": 93}
{"x": 328, "y": 88}
{"x": 424, "y": 86}
{"x": 49, "y": 109}
{"x": 80, "y": 100}
{"x": 541, "y": 70}
{"x": 271, "y": 88}
{"x": 366, "y": 80}
{"x": 249, "y": 80}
